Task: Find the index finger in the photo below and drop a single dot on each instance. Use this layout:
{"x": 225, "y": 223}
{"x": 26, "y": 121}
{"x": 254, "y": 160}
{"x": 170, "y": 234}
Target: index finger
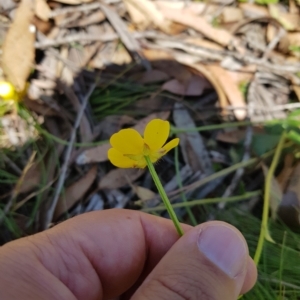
{"x": 100, "y": 255}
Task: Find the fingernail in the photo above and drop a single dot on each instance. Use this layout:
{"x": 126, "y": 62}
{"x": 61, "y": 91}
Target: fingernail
{"x": 224, "y": 248}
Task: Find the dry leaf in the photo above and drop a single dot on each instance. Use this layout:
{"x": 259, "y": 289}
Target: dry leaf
{"x": 144, "y": 194}
{"x": 198, "y": 23}
{"x": 121, "y": 57}
{"x": 136, "y": 16}
{"x": 296, "y": 89}
{"x": 196, "y": 8}
{"x": 231, "y": 14}
{"x": 288, "y": 21}
{"x": 85, "y": 20}
{"x": 232, "y": 137}
{"x": 203, "y": 43}
{"x": 73, "y": 2}
{"x": 42, "y": 10}
{"x": 289, "y": 208}
{"x": 230, "y": 88}
{"x": 153, "y": 76}
{"x": 253, "y": 10}
{"x": 75, "y": 192}
{"x": 293, "y": 8}
{"x": 194, "y": 87}
{"x": 213, "y": 80}
{"x": 96, "y": 154}
{"x": 118, "y": 178}
{"x": 164, "y": 61}
{"x": 31, "y": 178}
{"x": 192, "y": 145}
{"x": 286, "y": 171}
{"x": 150, "y": 12}
{"x": 18, "y": 47}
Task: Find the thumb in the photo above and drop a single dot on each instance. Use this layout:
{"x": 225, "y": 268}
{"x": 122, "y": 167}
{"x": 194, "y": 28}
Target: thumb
{"x": 208, "y": 262}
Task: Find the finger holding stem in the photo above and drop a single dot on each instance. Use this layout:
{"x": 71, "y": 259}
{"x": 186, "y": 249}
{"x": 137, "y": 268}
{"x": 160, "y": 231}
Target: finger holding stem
{"x": 164, "y": 196}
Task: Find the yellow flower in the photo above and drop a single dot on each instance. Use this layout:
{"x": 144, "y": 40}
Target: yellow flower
{"x": 129, "y": 148}
{"x": 7, "y": 91}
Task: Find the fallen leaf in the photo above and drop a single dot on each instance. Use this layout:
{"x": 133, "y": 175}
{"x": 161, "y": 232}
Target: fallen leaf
{"x": 254, "y": 11}
{"x": 285, "y": 174}
{"x": 75, "y": 192}
{"x": 30, "y": 178}
{"x": 153, "y": 76}
{"x": 85, "y": 20}
{"x": 40, "y": 107}
{"x": 198, "y": 23}
{"x": 204, "y": 70}
{"x": 232, "y": 137}
{"x": 150, "y": 12}
{"x": 293, "y": 8}
{"x": 231, "y": 90}
{"x": 144, "y": 194}
{"x": 289, "y": 208}
{"x": 96, "y": 154}
{"x": 121, "y": 57}
{"x": 162, "y": 60}
{"x": 194, "y": 87}
{"x": 42, "y": 10}
{"x": 18, "y": 46}
{"x": 118, "y": 178}
{"x": 136, "y": 16}
{"x": 203, "y": 43}
{"x": 288, "y": 21}
{"x": 196, "y": 8}
{"x": 231, "y": 14}
{"x": 296, "y": 89}
{"x": 192, "y": 145}
{"x": 73, "y": 2}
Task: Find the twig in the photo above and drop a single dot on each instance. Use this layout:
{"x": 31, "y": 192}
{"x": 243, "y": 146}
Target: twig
{"x": 273, "y": 43}
{"x": 61, "y": 180}
{"x": 72, "y": 9}
{"x": 107, "y": 37}
{"x": 126, "y": 37}
{"x": 239, "y": 173}
{"x": 219, "y": 55}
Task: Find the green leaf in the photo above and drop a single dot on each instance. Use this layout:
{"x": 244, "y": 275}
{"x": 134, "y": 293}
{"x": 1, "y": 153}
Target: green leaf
{"x": 262, "y": 143}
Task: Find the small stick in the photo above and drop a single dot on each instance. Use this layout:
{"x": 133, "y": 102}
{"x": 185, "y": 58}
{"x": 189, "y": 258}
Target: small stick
{"x": 61, "y": 180}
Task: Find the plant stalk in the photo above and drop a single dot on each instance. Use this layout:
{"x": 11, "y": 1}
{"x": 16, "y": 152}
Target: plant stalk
{"x": 164, "y": 196}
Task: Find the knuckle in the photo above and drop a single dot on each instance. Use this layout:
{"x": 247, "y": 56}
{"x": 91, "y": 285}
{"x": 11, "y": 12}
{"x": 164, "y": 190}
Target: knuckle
{"x": 179, "y": 287}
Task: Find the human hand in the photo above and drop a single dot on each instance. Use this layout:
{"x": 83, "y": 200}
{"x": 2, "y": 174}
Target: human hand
{"x": 111, "y": 253}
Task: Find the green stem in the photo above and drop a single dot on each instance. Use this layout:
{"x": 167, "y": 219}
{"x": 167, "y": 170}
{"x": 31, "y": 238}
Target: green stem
{"x": 164, "y": 196}
{"x": 264, "y": 232}
{"x": 198, "y": 202}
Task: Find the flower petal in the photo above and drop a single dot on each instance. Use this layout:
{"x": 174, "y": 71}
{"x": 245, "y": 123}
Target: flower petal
{"x": 172, "y": 144}
{"x": 156, "y": 133}
{"x": 127, "y": 141}
{"x": 119, "y": 160}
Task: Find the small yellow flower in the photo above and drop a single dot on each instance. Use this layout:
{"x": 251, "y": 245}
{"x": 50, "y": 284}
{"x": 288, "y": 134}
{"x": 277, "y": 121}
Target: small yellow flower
{"x": 7, "y": 91}
{"x": 129, "y": 148}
